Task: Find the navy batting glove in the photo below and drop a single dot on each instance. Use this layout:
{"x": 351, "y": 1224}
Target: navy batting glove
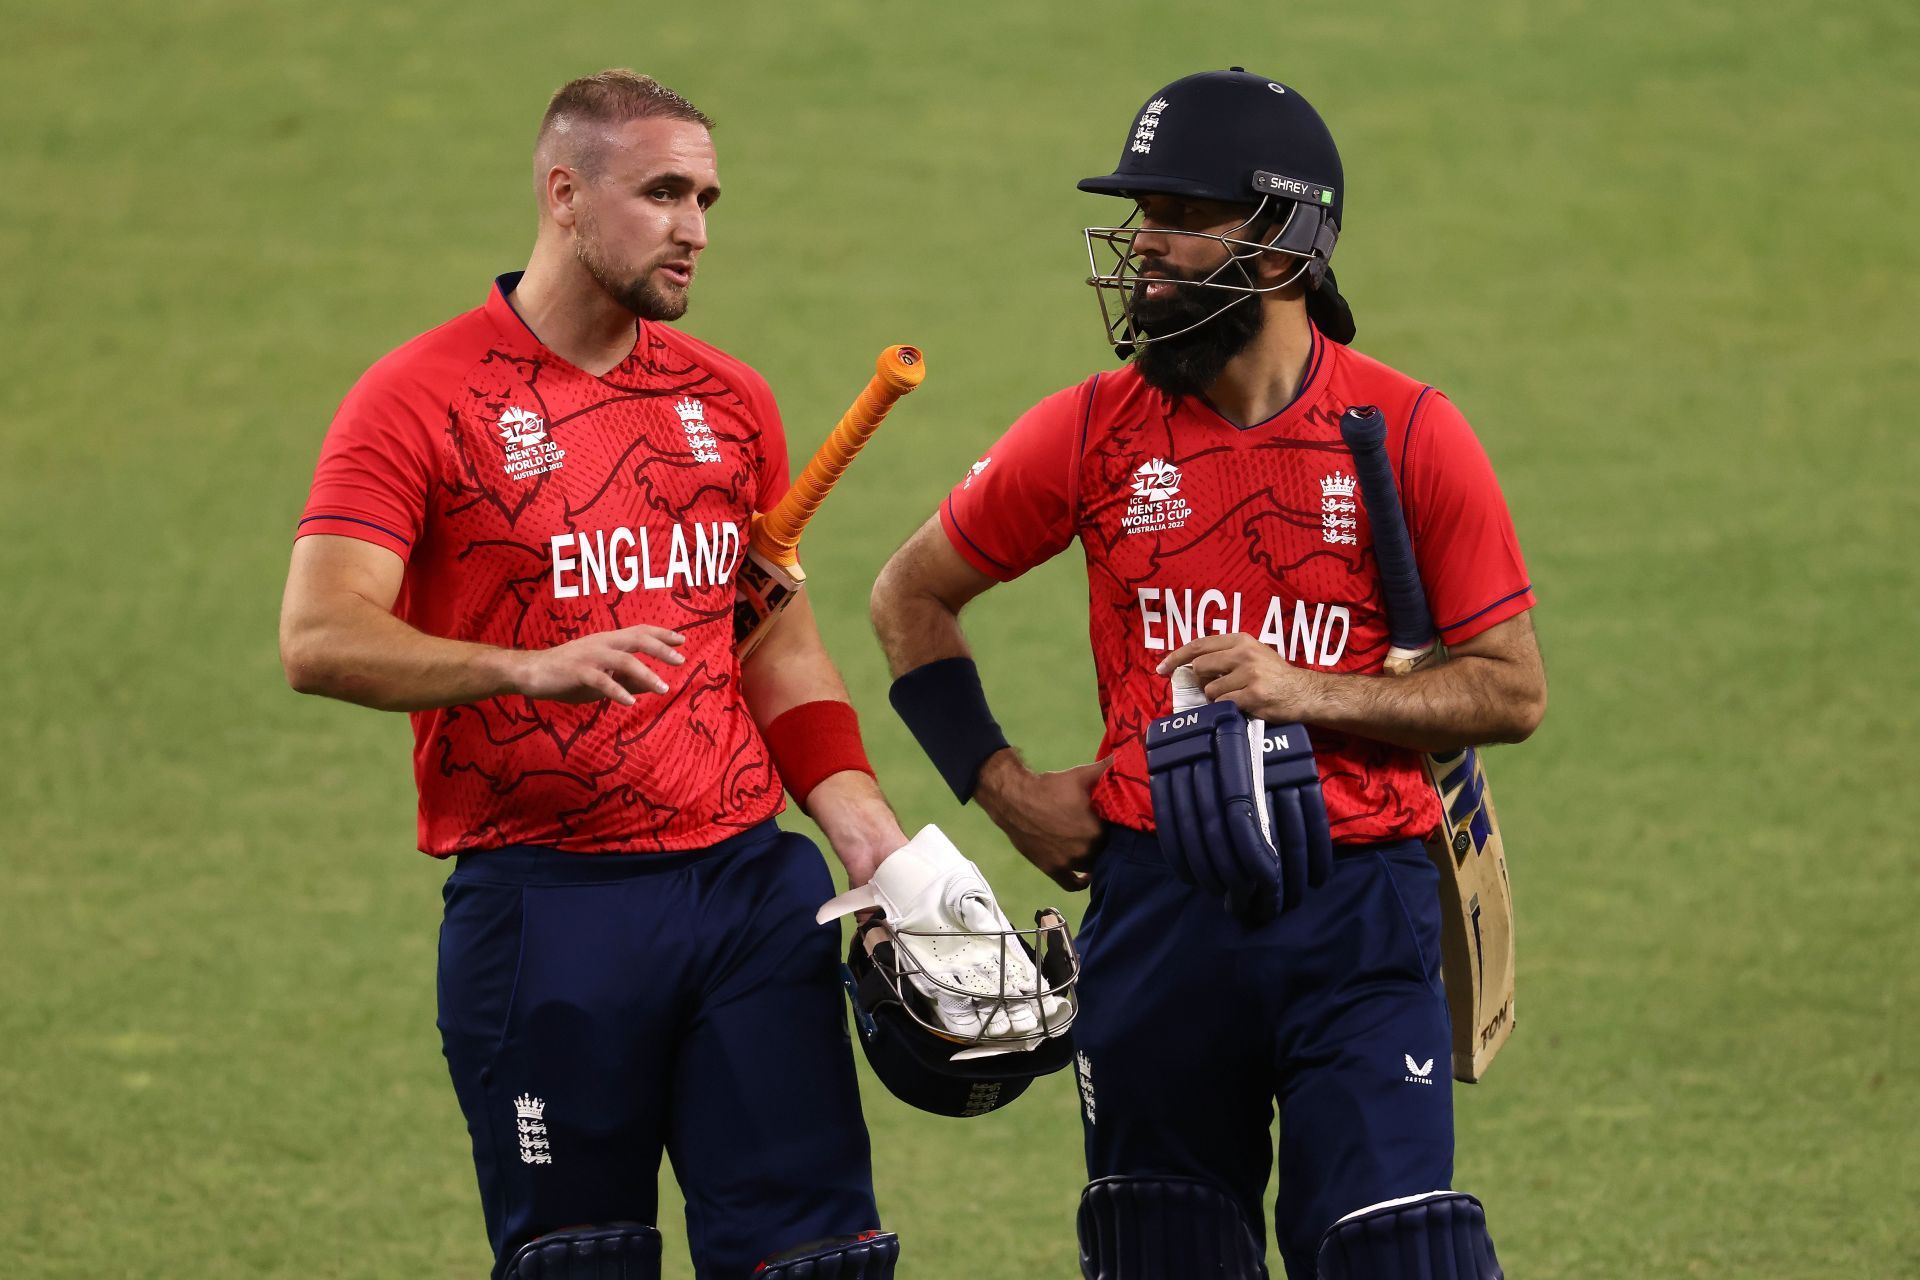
{"x": 1179, "y": 747}
{"x": 1207, "y": 806}
{"x": 1298, "y": 811}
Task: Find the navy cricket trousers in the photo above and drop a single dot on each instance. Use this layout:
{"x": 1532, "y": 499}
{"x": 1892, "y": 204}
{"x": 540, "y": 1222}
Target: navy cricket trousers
{"x": 1192, "y": 1026}
{"x": 597, "y": 1009}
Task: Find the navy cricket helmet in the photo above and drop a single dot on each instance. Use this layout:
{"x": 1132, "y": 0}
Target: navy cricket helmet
{"x": 1243, "y": 139}
{"x": 929, "y": 1068}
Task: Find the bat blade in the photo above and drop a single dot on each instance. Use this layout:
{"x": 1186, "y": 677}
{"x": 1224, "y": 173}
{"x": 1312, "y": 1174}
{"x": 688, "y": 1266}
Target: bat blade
{"x": 770, "y": 575}
{"x": 1476, "y": 896}
{"x": 1476, "y": 937}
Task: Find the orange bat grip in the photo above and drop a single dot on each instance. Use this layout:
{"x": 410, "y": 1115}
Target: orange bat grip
{"x": 776, "y": 533}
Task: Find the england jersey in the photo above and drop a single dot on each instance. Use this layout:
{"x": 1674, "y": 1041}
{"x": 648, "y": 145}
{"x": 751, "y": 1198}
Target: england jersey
{"x": 533, "y": 503}
{"x": 1193, "y": 526}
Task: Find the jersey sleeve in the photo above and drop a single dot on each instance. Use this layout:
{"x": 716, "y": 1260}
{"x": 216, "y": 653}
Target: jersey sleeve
{"x": 1463, "y": 536}
{"x": 775, "y": 476}
{"x": 1015, "y": 508}
{"x": 376, "y": 468}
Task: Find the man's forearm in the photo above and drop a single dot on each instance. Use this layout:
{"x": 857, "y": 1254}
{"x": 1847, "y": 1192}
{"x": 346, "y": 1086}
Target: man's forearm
{"x": 916, "y": 607}
{"x": 857, "y": 821}
{"x": 915, "y": 627}
{"x": 1465, "y": 701}
{"x": 1492, "y": 688}
{"x": 1001, "y": 776}
{"x": 359, "y": 652}
{"x": 790, "y": 669}
{"x": 919, "y": 630}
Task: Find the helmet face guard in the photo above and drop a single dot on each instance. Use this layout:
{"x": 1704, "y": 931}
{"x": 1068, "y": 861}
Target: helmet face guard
{"x": 1307, "y": 235}
{"x": 925, "y": 1064}
{"x": 898, "y": 955}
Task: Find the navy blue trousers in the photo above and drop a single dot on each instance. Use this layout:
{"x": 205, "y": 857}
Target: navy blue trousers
{"x": 596, "y": 1010}
{"x": 1193, "y": 1026}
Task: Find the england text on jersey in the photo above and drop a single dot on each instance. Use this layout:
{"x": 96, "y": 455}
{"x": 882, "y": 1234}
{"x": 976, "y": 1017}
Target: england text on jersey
{"x": 1311, "y": 635}
{"x": 700, "y": 555}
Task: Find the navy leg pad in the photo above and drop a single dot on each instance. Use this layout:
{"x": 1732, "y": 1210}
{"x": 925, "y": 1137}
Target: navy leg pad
{"x": 619, "y": 1251}
{"x": 1165, "y": 1228}
{"x": 1441, "y": 1235}
{"x": 865, "y": 1257}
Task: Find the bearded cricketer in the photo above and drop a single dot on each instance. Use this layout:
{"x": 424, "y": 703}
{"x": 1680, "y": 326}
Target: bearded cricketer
{"x": 1213, "y": 498}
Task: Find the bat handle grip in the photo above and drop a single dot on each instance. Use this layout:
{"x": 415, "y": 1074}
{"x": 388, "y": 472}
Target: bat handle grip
{"x": 898, "y": 371}
{"x": 1409, "y": 624}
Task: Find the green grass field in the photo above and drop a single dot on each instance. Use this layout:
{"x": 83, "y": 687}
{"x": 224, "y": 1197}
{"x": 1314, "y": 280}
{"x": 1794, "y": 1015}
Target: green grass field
{"x": 1662, "y": 256}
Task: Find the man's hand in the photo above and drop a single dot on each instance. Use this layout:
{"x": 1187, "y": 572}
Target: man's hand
{"x": 339, "y": 638}
{"x": 965, "y": 957}
{"x": 598, "y": 666}
{"x": 1491, "y": 688}
{"x": 1048, "y": 816}
{"x": 1239, "y": 669}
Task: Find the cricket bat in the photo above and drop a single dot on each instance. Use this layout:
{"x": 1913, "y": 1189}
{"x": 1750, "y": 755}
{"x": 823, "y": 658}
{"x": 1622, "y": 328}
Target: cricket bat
{"x": 770, "y": 574}
{"x": 1476, "y": 898}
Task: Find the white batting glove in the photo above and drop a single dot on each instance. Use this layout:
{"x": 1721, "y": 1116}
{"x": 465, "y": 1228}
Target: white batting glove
{"x": 944, "y": 915}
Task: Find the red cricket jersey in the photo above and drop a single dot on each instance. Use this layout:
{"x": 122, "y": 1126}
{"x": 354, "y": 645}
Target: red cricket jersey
{"x": 534, "y": 503}
{"x": 1193, "y": 526}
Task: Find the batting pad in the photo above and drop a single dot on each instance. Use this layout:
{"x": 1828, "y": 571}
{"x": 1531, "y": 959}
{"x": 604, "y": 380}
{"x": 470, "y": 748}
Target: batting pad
{"x": 1441, "y": 1235}
{"x": 865, "y": 1257}
{"x": 1154, "y": 1228}
{"x": 620, "y": 1251}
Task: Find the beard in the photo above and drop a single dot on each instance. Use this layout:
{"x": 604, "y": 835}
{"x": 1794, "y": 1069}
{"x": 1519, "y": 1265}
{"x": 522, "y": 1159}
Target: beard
{"x": 1189, "y": 363}
{"x": 638, "y": 294}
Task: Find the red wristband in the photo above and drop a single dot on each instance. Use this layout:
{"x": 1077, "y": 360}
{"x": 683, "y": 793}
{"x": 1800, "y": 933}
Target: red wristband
{"x": 813, "y": 741}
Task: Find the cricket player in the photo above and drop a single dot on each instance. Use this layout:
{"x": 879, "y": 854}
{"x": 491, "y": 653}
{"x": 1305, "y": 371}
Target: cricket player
{"x": 1208, "y": 486}
{"x": 523, "y": 530}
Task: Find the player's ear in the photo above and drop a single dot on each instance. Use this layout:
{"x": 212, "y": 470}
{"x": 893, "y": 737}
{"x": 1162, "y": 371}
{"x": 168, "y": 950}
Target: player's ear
{"x": 559, "y": 192}
{"x": 1273, "y": 267}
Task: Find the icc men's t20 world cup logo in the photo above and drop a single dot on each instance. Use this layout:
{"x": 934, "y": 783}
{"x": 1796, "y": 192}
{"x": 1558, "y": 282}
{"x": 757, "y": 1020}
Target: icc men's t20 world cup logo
{"x": 523, "y": 433}
{"x": 1156, "y": 506}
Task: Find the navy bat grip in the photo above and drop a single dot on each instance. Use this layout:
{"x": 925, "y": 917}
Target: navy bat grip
{"x": 1409, "y": 624}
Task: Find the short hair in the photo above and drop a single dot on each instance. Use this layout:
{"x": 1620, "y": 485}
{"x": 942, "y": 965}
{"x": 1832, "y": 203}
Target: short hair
{"x": 609, "y": 99}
